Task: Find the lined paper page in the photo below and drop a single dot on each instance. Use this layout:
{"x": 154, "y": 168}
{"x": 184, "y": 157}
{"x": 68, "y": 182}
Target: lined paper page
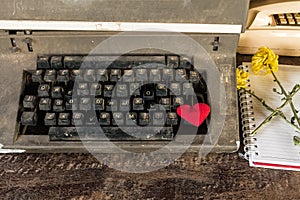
{"x": 275, "y": 139}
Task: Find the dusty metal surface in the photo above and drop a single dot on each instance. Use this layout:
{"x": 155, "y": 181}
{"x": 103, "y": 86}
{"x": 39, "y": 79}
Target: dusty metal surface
{"x": 83, "y": 43}
{"x": 182, "y": 11}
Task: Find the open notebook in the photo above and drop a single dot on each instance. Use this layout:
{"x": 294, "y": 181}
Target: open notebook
{"x": 272, "y": 146}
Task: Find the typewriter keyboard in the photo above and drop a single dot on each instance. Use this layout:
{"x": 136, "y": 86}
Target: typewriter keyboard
{"x": 60, "y": 97}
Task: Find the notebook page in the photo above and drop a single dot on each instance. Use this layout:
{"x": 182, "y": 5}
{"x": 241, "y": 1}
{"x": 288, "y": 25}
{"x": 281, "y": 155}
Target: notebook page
{"x": 275, "y": 139}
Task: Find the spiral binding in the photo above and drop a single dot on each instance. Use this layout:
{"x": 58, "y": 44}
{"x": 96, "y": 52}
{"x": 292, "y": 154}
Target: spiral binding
{"x": 247, "y": 120}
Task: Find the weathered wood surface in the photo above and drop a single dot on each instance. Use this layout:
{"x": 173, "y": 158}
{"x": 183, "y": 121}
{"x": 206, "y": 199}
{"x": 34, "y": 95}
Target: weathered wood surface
{"x": 81, "y": 176}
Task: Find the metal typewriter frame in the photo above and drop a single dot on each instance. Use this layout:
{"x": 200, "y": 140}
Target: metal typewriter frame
{"x": 16, "y": 55}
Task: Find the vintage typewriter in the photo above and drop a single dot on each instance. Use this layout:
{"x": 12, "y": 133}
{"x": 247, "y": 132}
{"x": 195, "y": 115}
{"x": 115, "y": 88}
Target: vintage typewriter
{"x": 56, "y": 90}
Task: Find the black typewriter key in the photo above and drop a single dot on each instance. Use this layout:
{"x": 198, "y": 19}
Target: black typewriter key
{"x": 131, "y": 118}
{"x": 89, "y": 75}
{"x": 56, "y": 62}
{"x": 108, "y": 90}
{"x": 57, "y": 92}
{"x": 45, "y": 104}
{"x": 115, "y": 75}
{"x": 75, "y": 75}
{"x": 71, "y": 104}
{"x": 172, "y": 118}
{"x": 85, "y": 104}
{"x": 50, "y": 76}
{"x": 175, "y": 89}
{"x": 128, "y": 76}
{"x": 165, "y": 103}
{"x": 62, "y": 133}
{"x": 185, "y": 63}
{"x": 95, "y": 89}
{"x": 44, "y": 90}
{"x": 194, "y": 77}
{"x": 144, "y": 119}
{"x": 148, "y": 93}
{"x": 124, "y": 105}
{"x": 118, "y": 118}
{"x": 161, "y": 90}
{"x": 158, "y": 118}
{"x": 134, "y": 89}
{"x": 37, "y": 76}
{"x": 83, "y": 89}
{"x": 72, "y": 62}
{"x": 29, "y": 119}
{"x": 167, "y": 75}
{"x": 104, "y": 118}
{"x": 64, "y": 119}
{"x": 177, "y": 101}
{"x": 90, "y": 118}
{"x": 102, "y": 75}
{"x": 63, "y": 75}
{"x": 187, "y": 89}
{"x": 50, "y": 119}
{"x": 99, "y": 104}
{"x": 121, "y": 90}
{"x": 29, "y": 101}
{"x": 138, "y": 104}
{"x": 43, "y": 62}
{"x": 77, "y": 118}
{"x": 155, "y": 75}
{"x": 111, "y": 105}
{"x": 173, "y": 61}
{"x": 141, "y": 75}
{"x": 180, "y": 75}
{"x": 58, "y": 105}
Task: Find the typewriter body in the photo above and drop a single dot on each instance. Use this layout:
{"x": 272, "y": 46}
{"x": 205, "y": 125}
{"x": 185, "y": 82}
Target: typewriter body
{"x": 46, "y": 52}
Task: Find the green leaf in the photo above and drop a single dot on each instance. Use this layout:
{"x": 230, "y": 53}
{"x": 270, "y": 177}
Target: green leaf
{"x": 296, "y": 140}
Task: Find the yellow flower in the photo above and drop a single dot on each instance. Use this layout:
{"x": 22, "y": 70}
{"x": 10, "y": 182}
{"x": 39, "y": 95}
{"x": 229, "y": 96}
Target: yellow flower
{"x": 264, "y": 61}
{"x": 241, "y": 78}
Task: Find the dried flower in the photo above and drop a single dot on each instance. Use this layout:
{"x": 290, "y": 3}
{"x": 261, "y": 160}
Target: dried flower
{"x": 264, "y": 61}
{"x": 241, "y": 78}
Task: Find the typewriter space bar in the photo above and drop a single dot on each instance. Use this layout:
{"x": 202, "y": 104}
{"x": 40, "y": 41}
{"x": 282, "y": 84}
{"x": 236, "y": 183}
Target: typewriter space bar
{"x": 110, "y": 133}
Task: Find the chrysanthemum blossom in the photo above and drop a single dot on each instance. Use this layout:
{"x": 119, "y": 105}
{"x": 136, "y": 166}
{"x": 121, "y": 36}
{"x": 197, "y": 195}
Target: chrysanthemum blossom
{"x": 241, "y": 78}
{"x": 264, "y": 61}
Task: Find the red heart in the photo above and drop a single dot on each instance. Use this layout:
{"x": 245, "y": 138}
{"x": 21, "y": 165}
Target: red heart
{"x": 194, "y": 115}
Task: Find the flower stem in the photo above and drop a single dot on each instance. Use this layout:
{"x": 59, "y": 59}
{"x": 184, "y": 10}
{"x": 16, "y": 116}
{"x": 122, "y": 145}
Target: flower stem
{"x": 288, "y": 97}
{"x": 275, "y": 112}
{"x": 260, "y": 100}
{"x": 269, "y": 118}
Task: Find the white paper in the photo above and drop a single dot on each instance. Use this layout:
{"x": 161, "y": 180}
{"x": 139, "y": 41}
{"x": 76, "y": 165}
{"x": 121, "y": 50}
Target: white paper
{"x": 275, "y": 139}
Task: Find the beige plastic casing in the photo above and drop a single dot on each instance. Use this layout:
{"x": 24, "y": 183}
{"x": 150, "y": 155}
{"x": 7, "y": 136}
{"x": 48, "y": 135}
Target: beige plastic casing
{"x": 261, "y": 30}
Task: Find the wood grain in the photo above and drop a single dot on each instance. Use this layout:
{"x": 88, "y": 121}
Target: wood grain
{"x": 81, "y": 176}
